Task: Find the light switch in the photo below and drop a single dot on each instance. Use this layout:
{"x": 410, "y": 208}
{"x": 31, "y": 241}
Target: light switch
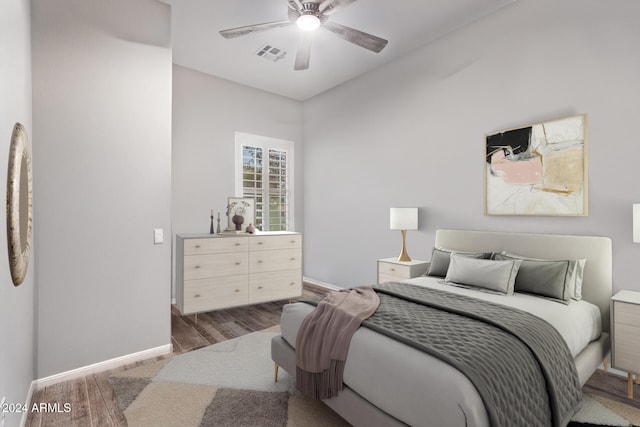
{"x": 157, "y": 236}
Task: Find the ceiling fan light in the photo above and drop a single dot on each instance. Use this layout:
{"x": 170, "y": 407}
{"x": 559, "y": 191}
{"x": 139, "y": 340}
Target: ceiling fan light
{"x": 308, "y": 22}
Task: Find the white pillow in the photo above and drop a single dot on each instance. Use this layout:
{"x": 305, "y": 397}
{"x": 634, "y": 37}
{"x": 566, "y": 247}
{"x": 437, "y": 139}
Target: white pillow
{"x": 497, "y": 276}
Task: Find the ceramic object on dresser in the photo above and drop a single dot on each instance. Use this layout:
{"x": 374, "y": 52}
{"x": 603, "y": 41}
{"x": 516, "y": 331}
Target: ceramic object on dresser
{"x": 238, "y": 220}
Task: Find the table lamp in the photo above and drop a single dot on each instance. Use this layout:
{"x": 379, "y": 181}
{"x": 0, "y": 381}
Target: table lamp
{"x": 403, "y": 219}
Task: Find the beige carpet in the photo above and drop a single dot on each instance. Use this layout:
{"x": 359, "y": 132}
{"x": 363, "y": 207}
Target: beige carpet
{"x": 155, "y": 394}
{"x": 231, "y": 384}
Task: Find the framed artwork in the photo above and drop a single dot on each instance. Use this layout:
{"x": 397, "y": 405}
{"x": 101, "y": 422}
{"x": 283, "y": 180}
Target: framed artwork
{"x": 539, "y": 169}
{"x": 241, "y": 211}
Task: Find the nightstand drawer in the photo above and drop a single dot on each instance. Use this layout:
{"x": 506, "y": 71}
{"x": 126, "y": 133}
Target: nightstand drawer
{"x": 627, "y": 314}
{"x": 397, "y": 271}
{"x": 386, "y": 278}
{"x": 627, "y": 347}
{"x": 392, "y": 270}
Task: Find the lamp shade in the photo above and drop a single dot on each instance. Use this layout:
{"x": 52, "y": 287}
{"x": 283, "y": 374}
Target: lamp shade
{"x": 404, "y": 219}
{"x": 636, "y": 222}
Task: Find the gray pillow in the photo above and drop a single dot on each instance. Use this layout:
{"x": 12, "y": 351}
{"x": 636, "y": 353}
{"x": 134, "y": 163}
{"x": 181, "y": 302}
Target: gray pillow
{"x": 494, "y": 275}
{"x": 440, "y": 260}
{"x": 559, "y": 279}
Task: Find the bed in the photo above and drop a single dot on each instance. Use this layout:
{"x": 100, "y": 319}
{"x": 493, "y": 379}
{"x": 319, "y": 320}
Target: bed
{"x": 388, "y": 383}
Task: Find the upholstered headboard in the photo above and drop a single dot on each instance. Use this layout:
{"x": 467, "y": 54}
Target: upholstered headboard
{"x": 597, "y": 281}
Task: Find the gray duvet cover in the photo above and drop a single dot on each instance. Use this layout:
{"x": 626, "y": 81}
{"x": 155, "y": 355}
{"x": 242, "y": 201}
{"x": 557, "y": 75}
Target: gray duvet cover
{"x": 506, "y": 353}
{"x": 518, "y": 363}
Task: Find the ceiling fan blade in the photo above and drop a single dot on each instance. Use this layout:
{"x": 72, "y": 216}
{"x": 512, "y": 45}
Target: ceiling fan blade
{"x": 362, "y": 39}
{"x": 298, "y": 4}
{"x": 327, "y": 7}
{"x": 304, "y": 52}
{"x": 248, "y": 29}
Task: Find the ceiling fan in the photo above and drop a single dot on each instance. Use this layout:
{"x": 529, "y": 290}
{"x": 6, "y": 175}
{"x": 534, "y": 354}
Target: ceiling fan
{"x": 309, "y": 16}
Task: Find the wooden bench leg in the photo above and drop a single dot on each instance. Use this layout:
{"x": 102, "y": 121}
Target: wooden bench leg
{"x": 275, "y": 376}
{"x": 604, "y": 364}
{"x": 630, "y": 386}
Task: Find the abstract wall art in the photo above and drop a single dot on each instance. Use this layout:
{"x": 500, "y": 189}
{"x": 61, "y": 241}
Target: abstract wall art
{"x": 539, "y": 169}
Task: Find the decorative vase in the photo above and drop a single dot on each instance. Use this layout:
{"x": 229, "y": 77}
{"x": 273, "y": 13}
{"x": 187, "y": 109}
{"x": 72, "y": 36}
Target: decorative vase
{"x": 238, "y": 220}
{"x": 250, "y": 229}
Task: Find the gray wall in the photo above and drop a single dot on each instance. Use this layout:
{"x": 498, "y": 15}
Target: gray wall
{"x": 17, "y": 354}
{"x": 102, "y": 170}
{"x": 207, "y": 111}
{"x": 411, "y": 134}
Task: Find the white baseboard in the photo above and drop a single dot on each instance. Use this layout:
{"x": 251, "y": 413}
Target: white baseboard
{"x": 320, "y": 283}
{"x": 102, "y": 366}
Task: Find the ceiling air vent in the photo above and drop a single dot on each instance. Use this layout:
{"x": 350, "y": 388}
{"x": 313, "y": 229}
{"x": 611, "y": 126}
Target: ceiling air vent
{"x": 271, "y": 53}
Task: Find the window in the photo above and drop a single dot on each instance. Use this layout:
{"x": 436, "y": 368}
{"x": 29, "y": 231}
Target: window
{"x": 264, "y": 170}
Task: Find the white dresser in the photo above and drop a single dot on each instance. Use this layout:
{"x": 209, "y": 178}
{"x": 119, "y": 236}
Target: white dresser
{"x": 226, "y": 270}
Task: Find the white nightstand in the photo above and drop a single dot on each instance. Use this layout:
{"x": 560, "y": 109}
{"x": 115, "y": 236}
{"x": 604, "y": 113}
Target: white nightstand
{"x": 392, "y": 270}
{"x": 625, "y": 319}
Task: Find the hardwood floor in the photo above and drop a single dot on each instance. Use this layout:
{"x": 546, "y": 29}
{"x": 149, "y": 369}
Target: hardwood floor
{"x": 91, "y": 398}
{"x": 93, "y": 403}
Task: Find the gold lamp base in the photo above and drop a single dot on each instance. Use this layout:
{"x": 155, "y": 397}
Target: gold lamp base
{"x": 404, "y": 256}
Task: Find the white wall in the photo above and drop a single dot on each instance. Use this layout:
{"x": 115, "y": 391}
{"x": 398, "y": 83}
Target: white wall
{"x": 17, "y": 334}
{"x": 411, "y": 134}
{"x": 102, "y": 178}
{"x": 207, "y": 111}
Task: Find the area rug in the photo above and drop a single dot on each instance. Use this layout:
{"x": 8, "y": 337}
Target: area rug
{"x": 231, "y": 384}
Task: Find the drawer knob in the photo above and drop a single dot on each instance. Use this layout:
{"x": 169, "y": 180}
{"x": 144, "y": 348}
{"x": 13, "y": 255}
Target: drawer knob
{"x": 259, "y": 261}
{"x": 237, "y": 244}
{"x": 259, "y": 243}
{"x": 392, "y": 269}
{"x": 293, "y": 241}
{"x": 292, "y": 283}
{"x": 237, "y": 263}
{"x": 237, "y": 290}
{"x": 196, "y": 296}
{"x": 259, "y": 287}
{"x": 292, "y": 259}
{"x": 197, "y": 246}
{"x": 196, "y": 267}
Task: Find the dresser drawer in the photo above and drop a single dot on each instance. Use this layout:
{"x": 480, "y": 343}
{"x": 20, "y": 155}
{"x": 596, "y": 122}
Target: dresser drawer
{"x": 215, "y": 245}
{"x": 213, "y": 293}
{"x": 625, "y": 313}
{"x": 275, "y": 260}
{"x": 275, "y": 285}
{"x": 627, "y": 347}
{"x": 265, "y": 243}
{"x": 219, "y": 265}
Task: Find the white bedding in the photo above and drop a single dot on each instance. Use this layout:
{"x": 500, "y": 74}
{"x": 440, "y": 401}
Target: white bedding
{"x": 579, "y": 322}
